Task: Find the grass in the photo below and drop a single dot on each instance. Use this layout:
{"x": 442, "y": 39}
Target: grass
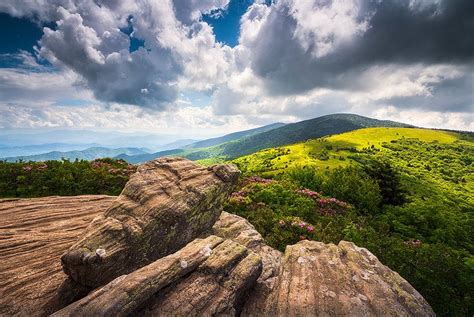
{"x": 333, "y": 151}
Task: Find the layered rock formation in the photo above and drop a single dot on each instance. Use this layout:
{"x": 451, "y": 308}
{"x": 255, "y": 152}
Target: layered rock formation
{"x": 34, "y": 233}
{"x": 207, "y": 277}
{"x": 166, "y": 204}
{"x": 228, "y": 270}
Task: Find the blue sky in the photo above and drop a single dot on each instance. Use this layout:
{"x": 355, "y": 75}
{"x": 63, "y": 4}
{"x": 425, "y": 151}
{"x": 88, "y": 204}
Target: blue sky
{"x": 18, "y": 34}
{"x": 215, "y": 66}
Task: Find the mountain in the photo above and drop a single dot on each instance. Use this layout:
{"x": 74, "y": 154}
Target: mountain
{"x": 150, "y": 156}
{"x": 87, "y": 154}
{"x": 9, "y": 151}
{"x": 286, "y": 134}
{"x": 302, "y": 131}
{"x": 234, "y": 136}
{"x": 197, "y": 146}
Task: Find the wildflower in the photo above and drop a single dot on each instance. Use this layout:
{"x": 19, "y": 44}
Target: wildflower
{"x": 257, "y": 180}
{"x": 302, "y": 224}
{"x": 42, "y": 166}
{"x": 281, "y": 223}
{"x": 308, "y": 193}
{"x": 310, "y": 228}
{"x": 27, "y": 168}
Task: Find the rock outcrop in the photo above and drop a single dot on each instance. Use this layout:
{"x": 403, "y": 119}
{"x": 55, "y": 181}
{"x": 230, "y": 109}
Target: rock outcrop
{"x": 34, "y": 233}
{"x": 317, "y": 279}
{"x": 207, "y": 277}
{"x": 164, "y": 248}
{"x": 166, "y": 204}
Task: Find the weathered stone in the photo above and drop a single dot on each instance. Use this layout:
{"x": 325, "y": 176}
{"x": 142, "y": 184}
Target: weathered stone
{"x": 166, "y": 204}
{"x": 33, "y": 235}
{"x": 207, "y": 276}
{"x": 318, "y": 279}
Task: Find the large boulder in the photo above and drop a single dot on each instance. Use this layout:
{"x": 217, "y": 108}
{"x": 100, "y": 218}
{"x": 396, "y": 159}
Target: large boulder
{"x": 317, "y": 279}
{"x": 167, "y": 203}
{"x": 207, "y": 277}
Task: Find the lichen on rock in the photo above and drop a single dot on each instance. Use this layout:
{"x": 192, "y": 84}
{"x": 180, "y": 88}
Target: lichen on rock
{"x": 167, "y": 203}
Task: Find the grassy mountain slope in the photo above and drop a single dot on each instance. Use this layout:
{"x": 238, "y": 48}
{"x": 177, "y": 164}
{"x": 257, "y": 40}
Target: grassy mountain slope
{"x": 87, "y": 154}
{"x": 335, "y": 150}
{"x": 287, "y": 134}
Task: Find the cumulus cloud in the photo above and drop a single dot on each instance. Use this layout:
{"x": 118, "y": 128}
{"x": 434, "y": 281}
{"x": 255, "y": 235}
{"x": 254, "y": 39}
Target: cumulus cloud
{"x": 88, "y": 39}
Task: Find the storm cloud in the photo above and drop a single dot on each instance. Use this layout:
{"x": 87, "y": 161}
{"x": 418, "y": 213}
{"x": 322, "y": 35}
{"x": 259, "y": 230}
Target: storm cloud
{"x": 294, "y": 54}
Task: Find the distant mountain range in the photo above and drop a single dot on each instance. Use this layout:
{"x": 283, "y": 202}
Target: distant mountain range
{"x": 246, "y": 142}
{"x": 110, "y": 139}
{"x": 26, "y": 150}
{"x": 87, "y": 154}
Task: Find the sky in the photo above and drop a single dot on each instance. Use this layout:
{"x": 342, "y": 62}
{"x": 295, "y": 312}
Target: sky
{"x": 198, "y": 68}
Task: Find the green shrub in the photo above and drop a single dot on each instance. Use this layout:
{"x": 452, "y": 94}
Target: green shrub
{"x": 354, "y": 186}
{"x": 306, "y": 177}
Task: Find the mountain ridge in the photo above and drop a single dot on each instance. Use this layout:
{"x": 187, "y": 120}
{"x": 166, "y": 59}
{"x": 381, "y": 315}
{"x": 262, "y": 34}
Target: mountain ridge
{"x": 91, "y": 153}
{"x": 284, "y": 135}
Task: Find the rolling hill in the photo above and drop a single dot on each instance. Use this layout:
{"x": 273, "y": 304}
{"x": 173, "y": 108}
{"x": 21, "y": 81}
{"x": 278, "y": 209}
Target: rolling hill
{"x": 337, "y": 150}
{"x": 87, "y": 154}
{"x": 287, "y": 134}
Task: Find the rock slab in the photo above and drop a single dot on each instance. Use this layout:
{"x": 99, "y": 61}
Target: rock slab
{"x": 166, "y": 204}
{"x": 207, "y": 277}
{"x": 34, "y": 233}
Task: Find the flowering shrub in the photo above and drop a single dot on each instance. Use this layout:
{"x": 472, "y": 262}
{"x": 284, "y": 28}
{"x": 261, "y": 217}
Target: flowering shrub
{"x": 309, "y": 193}
{"x": 284, "y": 214}
{"x": 256, "y": 180}
{"x": 331, "y": 206}
{"x": 35, "y": 179}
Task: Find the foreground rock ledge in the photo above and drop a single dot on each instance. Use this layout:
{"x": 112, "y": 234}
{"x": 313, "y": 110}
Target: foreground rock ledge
{"x": 207, "y": 277}
{"x": 166, "y": 204}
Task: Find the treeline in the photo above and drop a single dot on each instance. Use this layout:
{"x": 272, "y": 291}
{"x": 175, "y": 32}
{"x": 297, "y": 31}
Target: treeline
{"x": 66, "y": 178}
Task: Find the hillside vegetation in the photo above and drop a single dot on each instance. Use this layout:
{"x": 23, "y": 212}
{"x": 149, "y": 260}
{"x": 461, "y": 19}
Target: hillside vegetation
{"x": 405, "y": 194}
{"x": 65, "y": 178}
{"x": 338, "y": 150}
